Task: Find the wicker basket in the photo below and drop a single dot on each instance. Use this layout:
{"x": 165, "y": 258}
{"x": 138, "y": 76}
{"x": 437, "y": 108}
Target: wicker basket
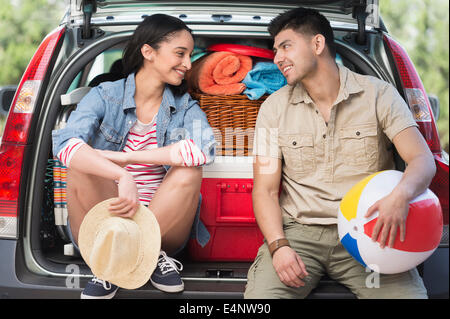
{"x": 232, "y": 118}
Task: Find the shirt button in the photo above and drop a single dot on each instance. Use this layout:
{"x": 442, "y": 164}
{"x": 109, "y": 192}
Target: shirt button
{"x": 358, "y": 133}
{"x": 294, "y": 143}
{"x": 317, "y": 112}
{"x": 324, "y": 135}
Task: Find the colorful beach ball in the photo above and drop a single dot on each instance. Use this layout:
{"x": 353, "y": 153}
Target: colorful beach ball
{"x": 423, "y": 226}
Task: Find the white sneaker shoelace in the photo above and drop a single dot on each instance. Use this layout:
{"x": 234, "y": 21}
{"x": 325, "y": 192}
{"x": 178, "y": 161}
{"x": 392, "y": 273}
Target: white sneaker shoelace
{"x": 167, "y": 264}
{"x": 103, "y": 282}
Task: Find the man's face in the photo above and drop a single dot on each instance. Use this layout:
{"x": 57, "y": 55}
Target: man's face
{"x": 294, "y": 55}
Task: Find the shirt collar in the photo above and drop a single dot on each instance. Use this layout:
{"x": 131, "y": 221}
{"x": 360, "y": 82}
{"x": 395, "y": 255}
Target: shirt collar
{"x": 349, "y": 85}
{"x": 168, "y": 100}
{"x": 130, "y": 89}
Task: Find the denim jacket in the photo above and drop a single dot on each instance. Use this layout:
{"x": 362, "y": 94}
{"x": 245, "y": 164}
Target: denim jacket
{"x": 104, "y": 117}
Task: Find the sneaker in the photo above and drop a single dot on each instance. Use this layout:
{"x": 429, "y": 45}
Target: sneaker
{"x": 99, "y": 289}
{"x": 166, "y": 276}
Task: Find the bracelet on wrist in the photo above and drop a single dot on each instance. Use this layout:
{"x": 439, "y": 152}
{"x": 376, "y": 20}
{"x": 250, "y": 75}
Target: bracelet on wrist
{"x": 277, "y": 244}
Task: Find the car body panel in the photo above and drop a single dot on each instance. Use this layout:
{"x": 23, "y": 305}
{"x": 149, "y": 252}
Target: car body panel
{"x": 223, "y": 12}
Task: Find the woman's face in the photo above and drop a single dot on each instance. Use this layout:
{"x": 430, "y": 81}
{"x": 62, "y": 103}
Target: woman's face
{"x": 172, "y": 59}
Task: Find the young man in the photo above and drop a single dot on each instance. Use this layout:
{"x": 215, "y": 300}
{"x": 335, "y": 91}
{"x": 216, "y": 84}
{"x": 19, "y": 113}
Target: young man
{"x": 320, "y": 135}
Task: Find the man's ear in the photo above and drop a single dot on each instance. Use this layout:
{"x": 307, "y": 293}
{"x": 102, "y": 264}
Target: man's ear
{"x": 147, "y": 52}
{"x": 319, "y": 44}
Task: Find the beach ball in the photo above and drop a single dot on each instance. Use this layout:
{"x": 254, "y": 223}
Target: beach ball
{"x": 424, "y": 226}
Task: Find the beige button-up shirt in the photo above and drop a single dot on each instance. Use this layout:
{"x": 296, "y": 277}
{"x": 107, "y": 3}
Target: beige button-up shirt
{"x": 322, "y": 161}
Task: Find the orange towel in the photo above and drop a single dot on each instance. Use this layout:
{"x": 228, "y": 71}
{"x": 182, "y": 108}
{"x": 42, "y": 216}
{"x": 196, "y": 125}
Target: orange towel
{"x": 219, "y": 73}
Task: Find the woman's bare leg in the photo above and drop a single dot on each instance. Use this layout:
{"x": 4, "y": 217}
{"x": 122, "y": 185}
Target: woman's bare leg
{"x": 175, "y": 203}
{"x": 84, "y": 191}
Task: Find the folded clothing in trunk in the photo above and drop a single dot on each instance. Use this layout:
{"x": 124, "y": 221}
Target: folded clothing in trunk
{"x": 264, "y": 78}
{"x": 219, "y": 73}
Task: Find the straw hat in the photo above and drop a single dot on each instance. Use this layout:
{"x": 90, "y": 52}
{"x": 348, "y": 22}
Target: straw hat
{"x": 123, "y": 251}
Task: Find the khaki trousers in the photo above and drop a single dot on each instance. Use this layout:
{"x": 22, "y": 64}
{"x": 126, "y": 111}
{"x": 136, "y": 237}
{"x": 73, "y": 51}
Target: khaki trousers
{"x": 321, "y": 251}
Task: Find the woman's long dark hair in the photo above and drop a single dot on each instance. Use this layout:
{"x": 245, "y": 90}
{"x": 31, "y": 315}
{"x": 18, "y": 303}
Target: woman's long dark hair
{"x": 152, "y": 30}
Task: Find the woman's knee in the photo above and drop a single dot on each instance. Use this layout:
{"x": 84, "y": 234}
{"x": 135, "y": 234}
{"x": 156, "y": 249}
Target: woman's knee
{"x": 186, "y": 176}
{"x": 86, "y": 190}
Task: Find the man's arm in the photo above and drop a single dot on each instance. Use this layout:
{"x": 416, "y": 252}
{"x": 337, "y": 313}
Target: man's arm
{"x": 266, "y": 206}
{"x": 393, "y": 209}
{"x": 266, "y": 185}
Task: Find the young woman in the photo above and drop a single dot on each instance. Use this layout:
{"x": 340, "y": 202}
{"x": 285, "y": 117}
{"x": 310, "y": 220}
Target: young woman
{"x": 147, "y": 142}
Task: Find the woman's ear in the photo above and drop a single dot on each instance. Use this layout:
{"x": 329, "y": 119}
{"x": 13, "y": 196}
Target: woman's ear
{"x": 147, "y": 52}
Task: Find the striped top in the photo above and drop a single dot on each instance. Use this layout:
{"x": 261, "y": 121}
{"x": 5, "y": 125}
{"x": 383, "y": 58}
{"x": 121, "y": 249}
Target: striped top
{"x": 148, "y": 177}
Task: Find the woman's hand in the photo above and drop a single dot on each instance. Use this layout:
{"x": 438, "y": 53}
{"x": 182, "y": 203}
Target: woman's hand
{"x": 127, "y": 204}
{"x": 119, "y": 158}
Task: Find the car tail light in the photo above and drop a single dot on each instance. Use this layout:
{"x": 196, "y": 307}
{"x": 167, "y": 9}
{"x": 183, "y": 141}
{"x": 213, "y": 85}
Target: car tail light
{"x": 439, "y": 185}
{"x": 421, "y": 109}
{"x": 16, "y": 132}
{"x": 416, "y": 96}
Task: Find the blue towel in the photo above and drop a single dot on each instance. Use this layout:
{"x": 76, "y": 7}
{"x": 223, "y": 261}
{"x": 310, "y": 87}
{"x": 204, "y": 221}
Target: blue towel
{"x": 339, "y": 59}
{"x": 265, "y": 77}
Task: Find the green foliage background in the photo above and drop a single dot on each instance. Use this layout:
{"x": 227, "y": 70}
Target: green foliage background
{"x": 421, "y": 26}
{"x": 23, "y": 25}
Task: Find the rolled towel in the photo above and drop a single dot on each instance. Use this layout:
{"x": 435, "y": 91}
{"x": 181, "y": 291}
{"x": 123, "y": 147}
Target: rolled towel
{"x": 264, "y": 78}
{"x": 219, "y": 73}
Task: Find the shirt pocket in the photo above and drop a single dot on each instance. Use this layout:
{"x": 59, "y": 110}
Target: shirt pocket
{"x": 298, "y": 153}
{"x": 359, "y": 144}
{"x": 110, "y": 134}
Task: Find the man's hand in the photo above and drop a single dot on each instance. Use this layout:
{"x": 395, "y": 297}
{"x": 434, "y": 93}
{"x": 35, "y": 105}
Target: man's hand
{"x": 289, "y": 267}
{"x": 392, "y": 212}
{"x": 393, "y": 209}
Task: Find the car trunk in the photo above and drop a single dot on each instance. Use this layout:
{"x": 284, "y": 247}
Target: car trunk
{"x": 44, "y": 241}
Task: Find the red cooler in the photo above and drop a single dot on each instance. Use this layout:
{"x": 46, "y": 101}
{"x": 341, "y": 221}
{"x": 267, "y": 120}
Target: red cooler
{"x": 227, "y": 212}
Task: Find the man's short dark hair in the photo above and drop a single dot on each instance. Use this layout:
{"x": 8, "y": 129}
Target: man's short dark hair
{"x": 305, "y": 21}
